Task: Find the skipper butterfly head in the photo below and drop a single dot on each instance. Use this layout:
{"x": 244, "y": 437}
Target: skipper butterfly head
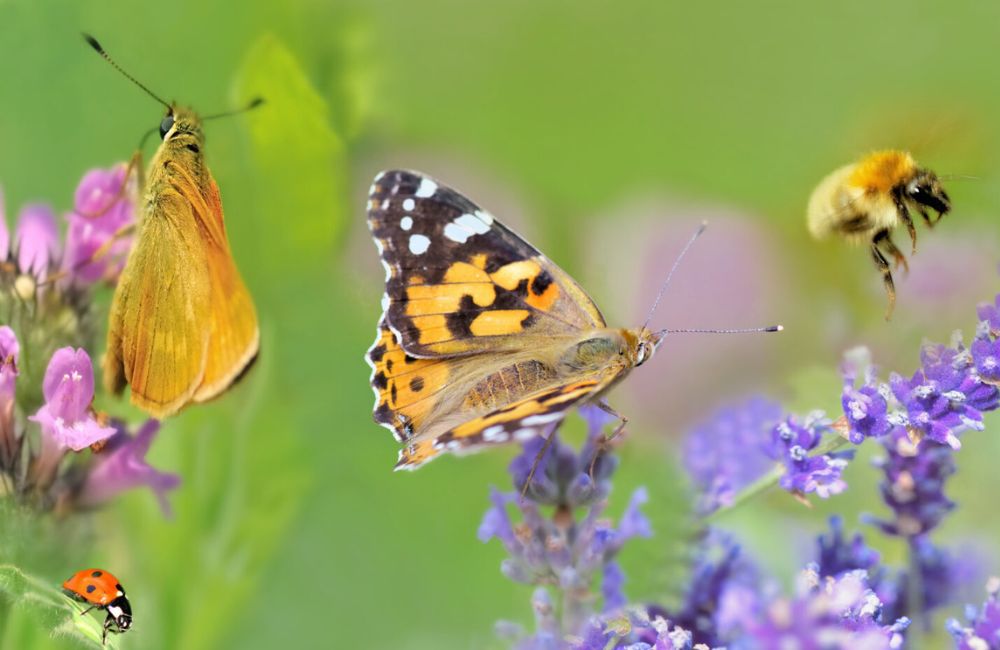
{"x": 646, "y": 343}
{"x": 181, "y": 128}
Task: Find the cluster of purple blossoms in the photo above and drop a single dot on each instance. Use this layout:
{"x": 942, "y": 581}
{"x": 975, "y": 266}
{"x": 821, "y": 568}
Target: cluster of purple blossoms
{"x": 846, "y": 598}
{"x": 47, "y": 419}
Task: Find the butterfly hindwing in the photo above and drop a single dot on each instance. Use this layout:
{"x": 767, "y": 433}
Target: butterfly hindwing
{"x": 460, "y": 282}
{"x": 520, "y": 421}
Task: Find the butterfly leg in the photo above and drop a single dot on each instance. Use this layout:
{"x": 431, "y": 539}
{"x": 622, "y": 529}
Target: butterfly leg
{"x": 883, "y": 267}
{"x": 134, "y": 167}
{"x": 538, "y": 459}
{"x": 605, "y": 443}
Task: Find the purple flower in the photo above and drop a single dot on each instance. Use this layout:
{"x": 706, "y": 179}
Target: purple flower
{"x": 830, "y": 613}
{"x": 496, "y": 521}
{"x": 990, "y": 314}
{"x": 986, "y": 354}
{"x": 913, "y": 486}
{"x": 635, "y": 629}
{"x": 66, "y": 417}
{"x": 102, "y": 207}
{"x": 9, "y": 349}
{"x": 37, "y": 239}
{"x": 983, "y": 629}
{"x": 791, "y": 442}
{"x": 866, "y": 408}
{"x": 721, "y": 578}
{"x": 837, "y": 555}
{"x": 122, "y": 465}
{"x": 721, "y": 454}
{"x": 9, "y": 441}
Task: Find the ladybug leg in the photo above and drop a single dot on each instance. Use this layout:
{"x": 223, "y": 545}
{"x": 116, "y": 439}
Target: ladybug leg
{"x": 108, "y": 622}
{"x": 87, "y": 610}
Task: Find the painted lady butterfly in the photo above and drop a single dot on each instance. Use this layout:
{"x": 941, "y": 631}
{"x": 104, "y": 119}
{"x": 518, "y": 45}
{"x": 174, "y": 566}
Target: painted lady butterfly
{"x": 483, "y": 340}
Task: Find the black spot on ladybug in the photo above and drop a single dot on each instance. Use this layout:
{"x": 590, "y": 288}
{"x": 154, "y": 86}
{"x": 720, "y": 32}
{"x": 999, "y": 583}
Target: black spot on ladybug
{"x": 380, "y": 381}
{"x": 377, "y": 353}
{"x": 541, "y": 283}
{"x": 91, "y": 588}
{"x": 417, "y": 384}
{"x": 96, "y": 574}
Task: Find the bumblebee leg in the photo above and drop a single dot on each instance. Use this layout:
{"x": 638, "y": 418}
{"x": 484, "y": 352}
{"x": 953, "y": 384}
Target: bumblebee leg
{"x": 897, "y": 257}
{"x": 883, "y": 267}
{"x": 904, "y": 216}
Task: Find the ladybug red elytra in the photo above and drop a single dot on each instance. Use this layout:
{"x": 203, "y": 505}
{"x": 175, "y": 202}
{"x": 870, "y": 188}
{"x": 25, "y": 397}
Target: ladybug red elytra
{"x": 102, "y": 591}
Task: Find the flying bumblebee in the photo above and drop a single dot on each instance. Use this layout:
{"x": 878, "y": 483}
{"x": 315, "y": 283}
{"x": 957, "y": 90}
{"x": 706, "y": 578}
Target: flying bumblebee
{"x": 864, "y": 201}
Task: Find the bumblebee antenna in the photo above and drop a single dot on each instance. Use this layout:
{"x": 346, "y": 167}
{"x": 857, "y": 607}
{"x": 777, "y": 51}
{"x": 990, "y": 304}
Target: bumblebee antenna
{"x": 254, "y": 103}
{"x": 958, "y": 177}
{"x": 100, "y": 50}
{"x": 677, "y": 262}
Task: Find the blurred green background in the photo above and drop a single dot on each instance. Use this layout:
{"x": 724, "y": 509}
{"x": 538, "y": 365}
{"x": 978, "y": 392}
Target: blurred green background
{"x": 603, "y": 131}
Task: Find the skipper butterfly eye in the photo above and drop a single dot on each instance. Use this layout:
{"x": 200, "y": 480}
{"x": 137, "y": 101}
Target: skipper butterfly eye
{"x": 166, "y": 125}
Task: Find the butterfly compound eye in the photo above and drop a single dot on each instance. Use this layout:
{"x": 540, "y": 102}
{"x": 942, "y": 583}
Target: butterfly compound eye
{"x": 166, "y": 125}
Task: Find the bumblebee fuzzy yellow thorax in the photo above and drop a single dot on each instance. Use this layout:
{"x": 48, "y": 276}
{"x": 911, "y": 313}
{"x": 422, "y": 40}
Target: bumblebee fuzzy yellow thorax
{"x": 881, "y": 171}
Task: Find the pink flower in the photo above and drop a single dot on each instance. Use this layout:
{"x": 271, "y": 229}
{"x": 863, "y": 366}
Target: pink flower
{"x": 102, "y": 206}
{"x": 66, "y": 418}
{"x": 37, "y": 239}
{"x": 122, "y": 466}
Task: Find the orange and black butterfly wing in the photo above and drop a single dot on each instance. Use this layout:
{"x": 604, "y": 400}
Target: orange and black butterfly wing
{"x": 157, "y": 338}
{"x": 522, "y": 420}
{"x": 234, "y": 335}
{"x": 458, "y": 281}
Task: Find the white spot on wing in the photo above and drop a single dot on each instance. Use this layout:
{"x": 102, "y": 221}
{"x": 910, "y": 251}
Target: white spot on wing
{"x": 474, "y": 223}
{"x": 427, "y": 188}
{"x": 385, "y": 302}
{"x": 544, "y": 418}
{"x": 373, "y": 189}
{"x": 379, "y": 176}
{"x": 495, "y": 433}
{"x": 456, "y": 233}
{"x": 419, "y": 244}
{"x": 525, "y": 434}
{"x": 485, "y": 216}
{"x": 406, "y": 223}
{"x": 409, "y": 204}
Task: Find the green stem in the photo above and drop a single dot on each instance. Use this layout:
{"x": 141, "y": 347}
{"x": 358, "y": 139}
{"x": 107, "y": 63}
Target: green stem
{"x": 767, "y": 481}
{"x": 915, "y": 600}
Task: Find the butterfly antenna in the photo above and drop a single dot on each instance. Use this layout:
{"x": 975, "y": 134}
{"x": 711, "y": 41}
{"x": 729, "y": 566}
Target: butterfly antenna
{"x": 746, "y": 330}
{"x": 100, "y": 50}
{"x": 254, "y": 103}
{"x": 677, "y": 262}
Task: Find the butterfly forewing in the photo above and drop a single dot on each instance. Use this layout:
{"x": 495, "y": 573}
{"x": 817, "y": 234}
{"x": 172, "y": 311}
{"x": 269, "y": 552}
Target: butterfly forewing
{"x": 460, "y": 282}
{"x": 476, "y": 324}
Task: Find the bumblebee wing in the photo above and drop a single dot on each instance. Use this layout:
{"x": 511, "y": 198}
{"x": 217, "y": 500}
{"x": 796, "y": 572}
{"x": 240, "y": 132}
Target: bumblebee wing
{"x": 234, "y": 336}
{"x": 157, "y": 334}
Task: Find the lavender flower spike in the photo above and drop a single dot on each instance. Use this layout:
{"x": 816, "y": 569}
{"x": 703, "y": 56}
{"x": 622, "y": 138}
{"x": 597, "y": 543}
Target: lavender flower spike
{"x": 66, "y": 417}
{"x": 866, "y": 408}
{"x": 791, "y": 442}
{"x": 122, "y": 465}
{"x": 983, "y": 630}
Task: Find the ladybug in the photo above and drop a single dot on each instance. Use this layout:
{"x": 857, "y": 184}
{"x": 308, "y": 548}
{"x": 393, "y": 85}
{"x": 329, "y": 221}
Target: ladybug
{"x": 102, "y": 591}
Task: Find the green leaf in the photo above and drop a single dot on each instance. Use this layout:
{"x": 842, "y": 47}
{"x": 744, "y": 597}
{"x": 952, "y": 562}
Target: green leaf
{"x": 299, "y": 157}
{"x": 48, "y": 608}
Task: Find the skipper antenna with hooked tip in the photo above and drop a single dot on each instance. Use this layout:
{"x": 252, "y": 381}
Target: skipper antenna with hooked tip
{"x": 100, "y": 50}
{"x": 253, "y": 103}
{"x": 677, "y": 262}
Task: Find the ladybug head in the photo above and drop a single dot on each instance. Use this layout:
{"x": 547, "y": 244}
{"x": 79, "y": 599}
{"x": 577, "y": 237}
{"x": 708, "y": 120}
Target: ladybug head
{"x": 120, "y": 611}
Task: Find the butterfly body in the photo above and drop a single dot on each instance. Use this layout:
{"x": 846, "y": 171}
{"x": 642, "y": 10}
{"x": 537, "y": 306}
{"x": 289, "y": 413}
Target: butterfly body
{"x": 182, "y": 326}
{"x": 483, "y": 340}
